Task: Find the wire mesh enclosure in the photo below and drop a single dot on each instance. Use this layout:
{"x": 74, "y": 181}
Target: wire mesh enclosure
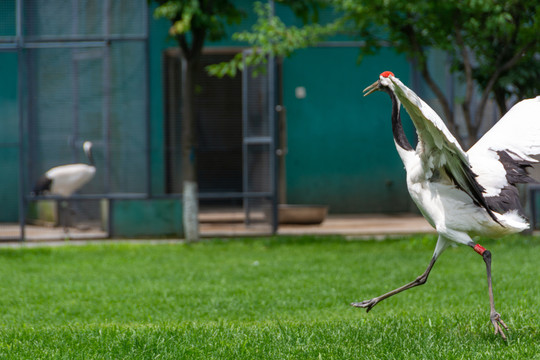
{"x": 77, "y": 72}
{"x": 81, "y": 76}
{"x": 89, "y": 94}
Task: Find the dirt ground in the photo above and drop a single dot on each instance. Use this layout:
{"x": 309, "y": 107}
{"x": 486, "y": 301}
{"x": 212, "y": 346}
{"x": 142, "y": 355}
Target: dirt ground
{"x": 232, "y": 225}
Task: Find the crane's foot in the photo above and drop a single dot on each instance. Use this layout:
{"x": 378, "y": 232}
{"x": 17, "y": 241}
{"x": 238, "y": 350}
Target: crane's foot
{"x": 498, "y": 324}
{"x": 366, "y": 304}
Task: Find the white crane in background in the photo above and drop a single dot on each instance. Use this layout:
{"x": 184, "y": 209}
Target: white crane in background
{"x": 65, "y": 180}
{"x": 463, "y": 193}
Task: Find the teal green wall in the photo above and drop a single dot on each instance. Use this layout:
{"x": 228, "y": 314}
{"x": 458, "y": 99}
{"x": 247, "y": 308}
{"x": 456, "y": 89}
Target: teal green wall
{"x": 9, "y": 137}
{"x": 9, "y": 120}
{"x": 7, "y": 18}
{"x": 341, "y": 150}
{"x": 147, "y": 218}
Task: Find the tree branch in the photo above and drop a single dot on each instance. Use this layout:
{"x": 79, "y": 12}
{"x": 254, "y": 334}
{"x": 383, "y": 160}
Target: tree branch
{"x": 417, "y": 49}
{"x": 199, "y": 37}
{"x": 469, "y": 89}
{"x": 500, "y": 99}
{"x": 491, "y": 83}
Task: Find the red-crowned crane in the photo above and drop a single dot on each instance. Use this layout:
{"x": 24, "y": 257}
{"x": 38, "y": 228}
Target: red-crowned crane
{"x": 64, "y": 180}
{"x": 463, "y": 193}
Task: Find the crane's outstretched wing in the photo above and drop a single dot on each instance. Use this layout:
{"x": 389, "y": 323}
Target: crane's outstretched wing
{"x": 440, "y": 151}
{"x": 500, "y": 158}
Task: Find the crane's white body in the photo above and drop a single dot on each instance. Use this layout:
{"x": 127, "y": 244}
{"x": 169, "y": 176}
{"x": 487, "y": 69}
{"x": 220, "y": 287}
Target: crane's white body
{"x": 66, "y": 179}
{"x": 449, "y": 208}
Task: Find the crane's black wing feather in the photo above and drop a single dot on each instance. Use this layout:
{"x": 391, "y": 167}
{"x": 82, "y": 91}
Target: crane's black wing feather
{"x": 42, "y": 185}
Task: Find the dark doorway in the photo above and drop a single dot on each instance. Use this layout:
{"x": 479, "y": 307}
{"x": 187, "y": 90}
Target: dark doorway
{"x": 218, "y": 106}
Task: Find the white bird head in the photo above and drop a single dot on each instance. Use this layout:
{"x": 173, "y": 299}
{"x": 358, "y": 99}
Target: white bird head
{"x": 383, "y": 84}
{"x": 87, "y": 147}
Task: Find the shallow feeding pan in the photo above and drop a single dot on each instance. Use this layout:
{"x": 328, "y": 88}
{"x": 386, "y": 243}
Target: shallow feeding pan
{"x": 301, "y": 214}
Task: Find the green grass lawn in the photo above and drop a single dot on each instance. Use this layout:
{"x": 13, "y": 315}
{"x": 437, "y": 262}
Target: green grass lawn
{"x": 269, "y": 298}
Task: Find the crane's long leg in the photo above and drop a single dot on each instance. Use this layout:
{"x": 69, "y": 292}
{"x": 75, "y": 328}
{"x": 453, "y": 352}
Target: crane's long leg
{"x": 494, "y": 316}
{"x": 65, "y": 210}
{"x": 65, "y": 217}
{"x": 369, "y": 304}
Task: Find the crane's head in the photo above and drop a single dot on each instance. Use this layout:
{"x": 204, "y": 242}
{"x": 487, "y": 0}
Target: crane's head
{"x": 87, "y": 147}
{"x": 384, "y": 83}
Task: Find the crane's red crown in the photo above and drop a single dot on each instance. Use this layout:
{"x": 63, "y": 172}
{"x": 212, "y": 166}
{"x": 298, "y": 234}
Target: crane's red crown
{"x": 387, "y": 74}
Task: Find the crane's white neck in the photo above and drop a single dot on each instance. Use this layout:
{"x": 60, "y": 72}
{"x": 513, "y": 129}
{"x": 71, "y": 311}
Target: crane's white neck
{"x": 87, "y": 147}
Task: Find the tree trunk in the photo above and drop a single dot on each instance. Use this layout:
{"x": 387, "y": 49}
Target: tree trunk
{"x": 189, "y": 154}
{"x": 500, "y": 99}
{"x": 422, "y": 63}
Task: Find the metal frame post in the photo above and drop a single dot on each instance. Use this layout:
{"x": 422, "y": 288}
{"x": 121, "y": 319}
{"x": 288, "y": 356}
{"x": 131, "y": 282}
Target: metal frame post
{"x": 273, "y": 149}
{"x": 106, "y": 105}
{"x": 20, "y": 96}
{"x": 245, "y": 122}
{"x": 147, "y": 105}
{"x": 274, "y": 134}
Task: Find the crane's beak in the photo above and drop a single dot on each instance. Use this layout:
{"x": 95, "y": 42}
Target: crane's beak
{"x": 372, "y": 88}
